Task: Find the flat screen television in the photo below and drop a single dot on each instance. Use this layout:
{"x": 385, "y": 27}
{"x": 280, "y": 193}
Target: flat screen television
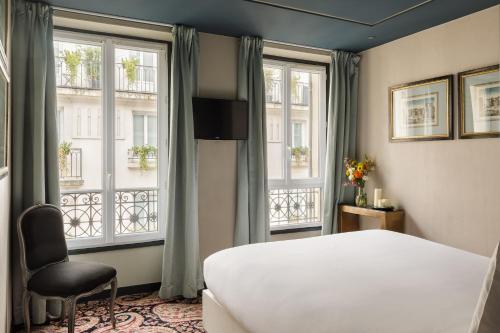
{"x": 220, "y": 119}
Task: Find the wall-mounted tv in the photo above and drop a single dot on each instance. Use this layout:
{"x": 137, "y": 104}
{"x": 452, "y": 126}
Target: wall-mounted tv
{"x": 220, "y": 119}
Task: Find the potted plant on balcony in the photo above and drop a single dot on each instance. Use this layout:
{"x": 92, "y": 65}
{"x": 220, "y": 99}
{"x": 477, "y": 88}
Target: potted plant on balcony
{"x": 130, "y": 67}
{"x": 143, "y": 153}
{"x": 92, "y": 66}
{"x": 72, "y": 60}
{"x": 63, "y": 151}
{"x": 300, "y": 154}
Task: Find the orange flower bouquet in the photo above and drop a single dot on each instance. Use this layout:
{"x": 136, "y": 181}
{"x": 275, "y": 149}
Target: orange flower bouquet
{"x": 357, "y": 175}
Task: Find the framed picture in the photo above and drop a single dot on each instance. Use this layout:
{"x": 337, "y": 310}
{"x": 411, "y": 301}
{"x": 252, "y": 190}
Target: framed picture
{"x": 421, "y": 110}
{"x": 479, "y": 103}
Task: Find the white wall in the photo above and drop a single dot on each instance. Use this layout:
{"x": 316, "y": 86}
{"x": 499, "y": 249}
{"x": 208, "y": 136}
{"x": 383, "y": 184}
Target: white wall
{"x": 449, "y": 189}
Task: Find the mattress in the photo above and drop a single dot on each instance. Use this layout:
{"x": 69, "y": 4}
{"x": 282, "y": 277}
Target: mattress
{"x": 366, "y": 281}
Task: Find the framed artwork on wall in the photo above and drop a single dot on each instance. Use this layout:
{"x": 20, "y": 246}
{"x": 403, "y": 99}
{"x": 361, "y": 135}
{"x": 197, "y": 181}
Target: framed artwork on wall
{"x": 421, "y": 110}
{"x": 479, "y": 103}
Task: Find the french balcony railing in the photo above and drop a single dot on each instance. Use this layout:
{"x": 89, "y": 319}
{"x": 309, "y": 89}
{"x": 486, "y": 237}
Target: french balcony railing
{"x": 299, "y": 96}
{"x": 70, "y": 170}
{"x": 144, "y": 82}
{"x": 134, "y": 161}
{"x": 295, "y": 206}
{"x": 136, "y": 211}
{"x": 87, "y": 75}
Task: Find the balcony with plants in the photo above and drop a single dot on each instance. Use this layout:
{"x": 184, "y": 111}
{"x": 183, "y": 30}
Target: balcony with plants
{"x": 82, "y": 69}
{"x": 142, "y": 157}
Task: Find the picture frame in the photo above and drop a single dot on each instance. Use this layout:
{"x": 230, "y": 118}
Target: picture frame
{"x": 421, "y": 110}
{"x": 479, "y": 103}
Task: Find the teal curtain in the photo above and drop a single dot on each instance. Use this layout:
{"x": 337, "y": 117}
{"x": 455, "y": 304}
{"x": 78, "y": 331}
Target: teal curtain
{"x": 341, "y": 133}
{"x": 252, "y": 218}
{"x": 182, "y": 274}
{"x": 34, "y": 168}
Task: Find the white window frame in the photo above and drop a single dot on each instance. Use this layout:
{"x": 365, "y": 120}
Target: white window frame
{"x": 108, "y": 44}
{"x": 287, "y": 182}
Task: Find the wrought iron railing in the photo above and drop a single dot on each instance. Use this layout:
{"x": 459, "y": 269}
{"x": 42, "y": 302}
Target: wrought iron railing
{"x": 70, "y": 172}
{"x": 294, "y": 206}
{"x": 299, "y": 96}
{"x": 134, "y": 161}
{"x": 135, "y": 212}
{"x": 133, "y": 157}
{"x": 82, "y": 214}
{"x": 87, "y": 75}
{"x": 144, "y": 80}
{"x": 273, "y": 91}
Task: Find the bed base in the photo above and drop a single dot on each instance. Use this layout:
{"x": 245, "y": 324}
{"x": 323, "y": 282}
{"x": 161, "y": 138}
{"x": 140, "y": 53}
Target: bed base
{"x": 216, "y": 319}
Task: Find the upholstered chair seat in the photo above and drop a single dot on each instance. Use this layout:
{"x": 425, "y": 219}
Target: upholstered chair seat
{"x": 70, "y": 278}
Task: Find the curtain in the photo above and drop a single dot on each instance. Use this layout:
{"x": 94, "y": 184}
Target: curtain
{"x": 35, "y": 177}
{"x": 252, "y": 219}
{"x": 182, "y": 274}
{"x": 341, "y": 133}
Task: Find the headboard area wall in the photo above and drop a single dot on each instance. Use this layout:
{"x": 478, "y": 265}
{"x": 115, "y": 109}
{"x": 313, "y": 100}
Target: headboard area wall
{"x": 449, "y": 189}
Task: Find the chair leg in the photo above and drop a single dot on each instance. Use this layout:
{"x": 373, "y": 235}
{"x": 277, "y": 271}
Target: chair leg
{"x": 63, "y": 310}
{"x": 71, "y": 317}
{"x": 112, "y": 302}
{"x": 26, "y": 311}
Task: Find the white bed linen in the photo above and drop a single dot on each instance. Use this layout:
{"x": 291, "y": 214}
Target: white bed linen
{"x": 366, "y": 281}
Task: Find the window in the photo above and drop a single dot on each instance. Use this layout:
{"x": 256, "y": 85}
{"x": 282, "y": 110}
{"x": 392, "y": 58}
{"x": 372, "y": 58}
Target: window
{"x": 109, "y": 174}
{"x": 145, "y": 130}
{"x": 296, "y": 127}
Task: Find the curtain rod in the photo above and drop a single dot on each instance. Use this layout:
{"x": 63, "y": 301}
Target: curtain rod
{"x": 84, "y": 12}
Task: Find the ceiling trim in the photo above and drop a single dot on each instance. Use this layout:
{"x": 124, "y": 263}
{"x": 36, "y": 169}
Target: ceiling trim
{"x": 270, "y": 3}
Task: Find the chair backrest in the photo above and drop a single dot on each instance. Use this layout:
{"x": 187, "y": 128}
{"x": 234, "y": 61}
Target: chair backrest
{"x": 41, "y": 237}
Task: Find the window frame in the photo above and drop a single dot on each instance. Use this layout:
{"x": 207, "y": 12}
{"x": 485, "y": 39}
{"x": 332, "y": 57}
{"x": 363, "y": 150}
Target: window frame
{"x": 287, "y": 182}
{"x": 108, "y": 44}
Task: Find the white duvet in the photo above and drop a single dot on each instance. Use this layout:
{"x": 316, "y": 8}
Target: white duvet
{"x": 367, "y": 281}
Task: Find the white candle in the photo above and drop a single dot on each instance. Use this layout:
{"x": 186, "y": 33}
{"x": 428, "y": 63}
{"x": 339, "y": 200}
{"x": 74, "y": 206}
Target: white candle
{"x": 377, "y": 195}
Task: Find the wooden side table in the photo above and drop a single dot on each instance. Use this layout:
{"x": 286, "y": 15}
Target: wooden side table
{"x": 349, "y": 218}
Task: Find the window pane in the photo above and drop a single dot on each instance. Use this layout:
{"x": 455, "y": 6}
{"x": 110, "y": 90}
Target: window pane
{"x": 273, "y": 76}
{"x": 79, "y": 100}
{"x": 152, "y": 131}
{"x": 136, "y": 153}
{"x": 304, "y": 113}
{"x": 138, "y": 130}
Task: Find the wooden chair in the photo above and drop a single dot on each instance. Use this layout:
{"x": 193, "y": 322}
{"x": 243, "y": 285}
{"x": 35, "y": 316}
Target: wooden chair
{"x": 46, "y": 269}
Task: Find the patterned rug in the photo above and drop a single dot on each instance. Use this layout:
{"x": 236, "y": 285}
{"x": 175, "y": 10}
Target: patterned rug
{"x": 145, "y": 313}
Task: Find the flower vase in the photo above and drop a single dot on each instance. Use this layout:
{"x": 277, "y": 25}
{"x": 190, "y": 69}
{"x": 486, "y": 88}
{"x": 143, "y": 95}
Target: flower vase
{"x": 361, "y": 198}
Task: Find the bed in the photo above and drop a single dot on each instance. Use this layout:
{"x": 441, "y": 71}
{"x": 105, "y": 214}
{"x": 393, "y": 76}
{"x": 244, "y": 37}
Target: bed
{"x": 366, "y": 281}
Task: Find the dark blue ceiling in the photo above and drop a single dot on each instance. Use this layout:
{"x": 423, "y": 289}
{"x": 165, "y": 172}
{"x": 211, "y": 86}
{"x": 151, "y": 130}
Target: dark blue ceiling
{"x": 312, "y": 25}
